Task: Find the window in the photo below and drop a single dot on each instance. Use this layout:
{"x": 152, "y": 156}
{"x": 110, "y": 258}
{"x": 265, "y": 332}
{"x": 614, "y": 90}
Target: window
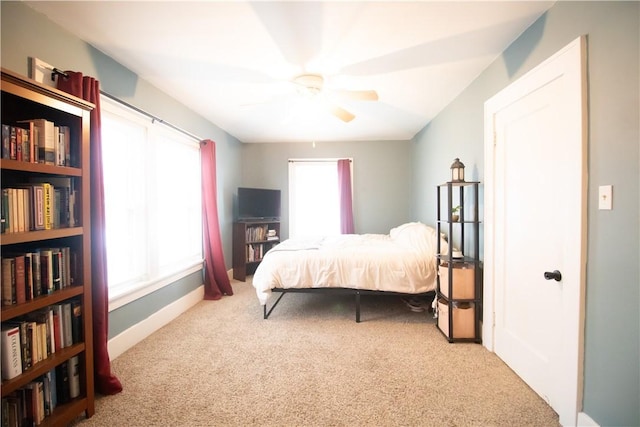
{"x": 314, "y": 200}
{"x": 152, "y": 203}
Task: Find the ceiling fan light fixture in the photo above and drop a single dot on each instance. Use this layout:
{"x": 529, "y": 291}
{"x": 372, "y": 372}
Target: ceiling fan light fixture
{"x": 309, "y": 84}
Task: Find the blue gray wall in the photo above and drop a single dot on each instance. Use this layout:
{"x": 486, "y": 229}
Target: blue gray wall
{"x": 397, "y": 179}
{"x": 612, "y": 354}
{"x": 381, "y": 177}
{"x": 26, "y": 33}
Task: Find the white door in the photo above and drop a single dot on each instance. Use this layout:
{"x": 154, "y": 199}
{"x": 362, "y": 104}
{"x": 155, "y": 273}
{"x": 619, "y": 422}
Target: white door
{"x": 535, "y": 214}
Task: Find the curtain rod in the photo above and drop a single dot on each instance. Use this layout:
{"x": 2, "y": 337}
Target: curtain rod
{"x": 317, "y": 160}
{"x": 56, "y": 71}
{"x": 151, "y": 116}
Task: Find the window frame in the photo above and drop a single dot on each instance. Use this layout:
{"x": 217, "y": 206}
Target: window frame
{"x": 122, "y": 294}
{"x": 292, "y": 192}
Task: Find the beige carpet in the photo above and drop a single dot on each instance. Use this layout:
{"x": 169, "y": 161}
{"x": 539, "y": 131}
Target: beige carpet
{"x": 311, "y": 364}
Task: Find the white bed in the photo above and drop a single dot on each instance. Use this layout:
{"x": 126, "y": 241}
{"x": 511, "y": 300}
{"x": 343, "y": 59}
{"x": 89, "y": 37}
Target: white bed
{"x": 403, "y": 262}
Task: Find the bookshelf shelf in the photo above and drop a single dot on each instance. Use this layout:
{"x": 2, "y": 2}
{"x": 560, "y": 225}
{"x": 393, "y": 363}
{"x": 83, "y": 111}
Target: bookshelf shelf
{"x": 37, "y": 236}
{"x": 16, "y": 310}
{"x": 41, "y": 368}
{"x": 25, "y": 304}
{"x": 16, "y": 165}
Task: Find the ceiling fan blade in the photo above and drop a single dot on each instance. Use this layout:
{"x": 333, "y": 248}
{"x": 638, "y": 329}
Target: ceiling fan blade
{"x": 357, "y": 95}
{"x": 295, "y": 27}
{"x": 340, "y": 113}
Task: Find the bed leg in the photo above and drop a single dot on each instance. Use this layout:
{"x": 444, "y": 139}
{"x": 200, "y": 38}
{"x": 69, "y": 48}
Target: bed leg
{"x": 357, "y": 307}
{"x": 267, "y": 313}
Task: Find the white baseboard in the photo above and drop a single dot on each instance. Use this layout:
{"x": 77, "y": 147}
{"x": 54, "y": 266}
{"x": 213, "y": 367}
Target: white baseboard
{"x": 132, "y": 336}
{"x": 585, "y": 420}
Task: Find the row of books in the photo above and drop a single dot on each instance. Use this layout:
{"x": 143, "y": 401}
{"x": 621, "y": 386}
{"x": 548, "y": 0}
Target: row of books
{"x": 37, "y": 141}
{"x": 31, "y": 404}
{"x": 30, "y": 339}
{"x": 260, "y": 233}
{"x": 255, "y": 252}
{"x": 39, "y": 205}
{"x": 28, "y": 275}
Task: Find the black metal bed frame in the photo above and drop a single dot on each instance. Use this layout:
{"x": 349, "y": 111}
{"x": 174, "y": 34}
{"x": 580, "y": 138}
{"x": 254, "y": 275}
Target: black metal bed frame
{"x": 348, "y": 291}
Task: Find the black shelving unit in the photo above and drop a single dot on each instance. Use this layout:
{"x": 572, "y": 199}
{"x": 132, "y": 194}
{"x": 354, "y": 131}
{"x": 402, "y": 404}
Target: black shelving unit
{"x": 459, "y": 288}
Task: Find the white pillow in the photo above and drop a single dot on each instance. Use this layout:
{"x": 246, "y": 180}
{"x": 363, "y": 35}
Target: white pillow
{"x": 418, "y": 236}
{"x": 415, "y": 235}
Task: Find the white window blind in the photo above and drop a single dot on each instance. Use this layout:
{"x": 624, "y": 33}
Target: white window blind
{"x": 152, "y": 203}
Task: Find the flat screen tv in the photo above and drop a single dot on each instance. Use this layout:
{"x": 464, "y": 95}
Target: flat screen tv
{"x": 258, "y": 203}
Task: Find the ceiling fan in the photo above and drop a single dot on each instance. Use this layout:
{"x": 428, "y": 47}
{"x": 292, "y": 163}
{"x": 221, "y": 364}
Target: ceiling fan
{"x": 312, "y": 86}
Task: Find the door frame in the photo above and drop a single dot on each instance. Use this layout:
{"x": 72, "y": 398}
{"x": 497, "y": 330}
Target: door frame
{"x": 577, "y": 51}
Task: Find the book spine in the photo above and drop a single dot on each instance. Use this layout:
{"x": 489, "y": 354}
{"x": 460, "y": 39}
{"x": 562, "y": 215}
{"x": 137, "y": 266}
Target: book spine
{"x": 31, "y": 404}
{"x": 20, "y": 279}
{"x": 28, "y": 208}
{"x": 8, "y": 281}
{"x": 50, "y": 143}
{"x": 11, "y": 353}
{"x": 42, "y": 337}
{"x": 74, "y": 377}
{"x": 40, "y": 133}
{"x": 33, "y": 146}
{"x": 48, "y": 206}
{"x": 28, "y": 269}
{"x": 38, "y": 208}
{"x": 48, "y": 409}
{"x": 26, "y": 150}
{"x": 13, "y": 145}
{"x": 13, "y": 205}
{"x": 56, "y": 263}
{"x": 62, "y": 383}
{"x": 66, "y": 324}
{"x": 57, "y": 327}
{"x": 46, "y": 270}
{"x": 37, "y": 274}
{"x": 76, "y": 321}
{"x": 54, "y": 397}
{"x": 6, "y": 141}
{"x": 57, "y": 207}
{"x": 51, "y": 341}
{"x": 66, "y": 263}
{"x": 32, "y": 337}
{"x": 36, "y": 144}
{"x": 6, "y": 217}
{"x": 25, "y": 345}
{"x": 67, "y": 145}
{"x": 20, "y": 214}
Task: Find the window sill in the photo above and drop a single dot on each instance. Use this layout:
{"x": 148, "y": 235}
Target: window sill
{"x": 121, "y": 297}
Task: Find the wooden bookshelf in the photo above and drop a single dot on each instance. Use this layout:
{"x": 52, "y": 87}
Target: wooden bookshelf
{"x": 250, "y": 243}
{"x": 25, "y": 99}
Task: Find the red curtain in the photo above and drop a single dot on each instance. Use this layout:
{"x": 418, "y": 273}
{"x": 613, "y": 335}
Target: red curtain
{"x": 88, "y": 89}
{"x": 346, "y": 202}
{"x": 216, "y": 280}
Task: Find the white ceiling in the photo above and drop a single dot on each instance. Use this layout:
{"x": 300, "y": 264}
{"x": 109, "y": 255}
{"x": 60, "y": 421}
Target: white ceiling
{"x": 233, "y": 61}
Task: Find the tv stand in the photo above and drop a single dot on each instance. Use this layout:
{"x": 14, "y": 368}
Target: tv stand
{"x": 250, "y": 243}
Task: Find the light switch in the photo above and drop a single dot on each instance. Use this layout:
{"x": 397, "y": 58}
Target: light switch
{"x": 605, "y": 197}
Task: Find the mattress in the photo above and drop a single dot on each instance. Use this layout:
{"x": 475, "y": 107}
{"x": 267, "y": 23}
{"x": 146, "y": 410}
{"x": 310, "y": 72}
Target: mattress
{"x": 402, "y": 261}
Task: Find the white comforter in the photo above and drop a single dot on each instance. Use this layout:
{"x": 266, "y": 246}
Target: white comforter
{"x": 401, "y": 261}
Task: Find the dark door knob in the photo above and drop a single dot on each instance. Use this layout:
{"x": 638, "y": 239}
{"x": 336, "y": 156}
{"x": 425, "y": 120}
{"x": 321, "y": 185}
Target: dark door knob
{"x": 555, "y": 275}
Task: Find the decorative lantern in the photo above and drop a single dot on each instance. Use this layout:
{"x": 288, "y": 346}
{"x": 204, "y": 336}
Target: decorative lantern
{"x": 457, "y": 171}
